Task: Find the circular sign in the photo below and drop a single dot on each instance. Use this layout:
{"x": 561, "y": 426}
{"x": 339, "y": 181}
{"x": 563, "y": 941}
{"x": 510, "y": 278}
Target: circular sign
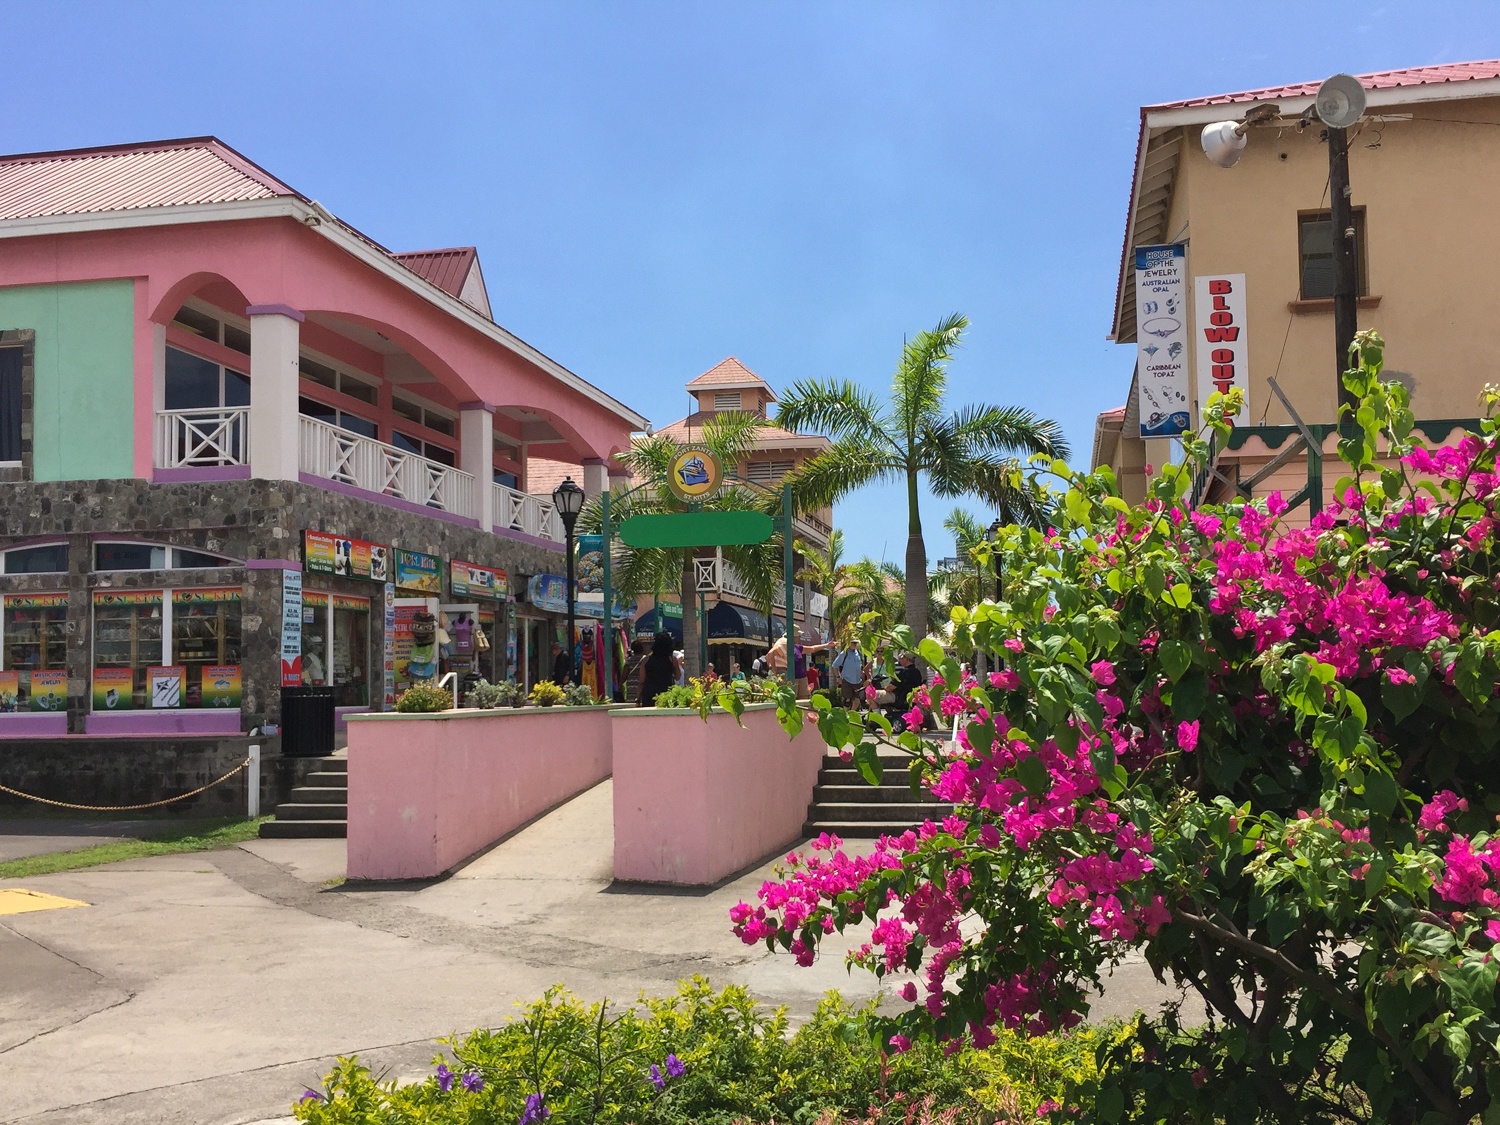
{"x": 695, "y": 474}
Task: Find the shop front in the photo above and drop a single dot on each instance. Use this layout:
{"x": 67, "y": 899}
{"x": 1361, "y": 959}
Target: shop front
{"x": 478, "y": 619}
{"x": 540, "y": 620}
{"x": 34, "y": 663}
{"x": 736, "y": 635}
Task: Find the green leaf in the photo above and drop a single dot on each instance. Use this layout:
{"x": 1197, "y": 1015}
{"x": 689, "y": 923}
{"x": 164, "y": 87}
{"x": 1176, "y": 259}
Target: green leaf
{"x": 1107, "y": 633}
{"x": 1155, "y": 579}
{"x": 930, "y": 651}
{"x": 1190, "y": 696}
{"x": 867, "y": 761}
{"x": 1110, "y": 1104}
{"x": 1032, "y": 773}
{"x": 1180, "y": 595}
{"x": 1423, "y": 937}
{"x": 1175, "y": 658}
{"x": 1381, "y": 791}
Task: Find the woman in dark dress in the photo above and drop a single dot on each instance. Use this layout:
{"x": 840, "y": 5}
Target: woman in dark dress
{"x": 659, "y": 671}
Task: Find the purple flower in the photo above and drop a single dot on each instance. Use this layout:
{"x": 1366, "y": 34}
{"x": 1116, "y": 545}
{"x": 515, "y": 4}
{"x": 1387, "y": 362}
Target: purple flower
{"x": 536, "y": 1110}
{"x": 473, "y": 1081}
{"x": 310, "y": 1096}
{"x": 656, "y": 1079}
{"x": 675, "y": 1069}
{"x": 444, "y": 1077}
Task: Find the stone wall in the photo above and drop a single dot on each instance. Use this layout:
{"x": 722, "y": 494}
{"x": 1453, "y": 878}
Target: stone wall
{"x": 114, "y": 771}
{"x": 255, "y": 520}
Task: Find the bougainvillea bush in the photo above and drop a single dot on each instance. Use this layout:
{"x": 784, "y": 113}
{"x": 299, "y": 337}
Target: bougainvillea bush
{"x": 1261, "y": 755}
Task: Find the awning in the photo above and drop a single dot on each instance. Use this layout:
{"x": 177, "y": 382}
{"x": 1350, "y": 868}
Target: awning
{"x": 728, "y": 624}
{"x": 654, "y": 621}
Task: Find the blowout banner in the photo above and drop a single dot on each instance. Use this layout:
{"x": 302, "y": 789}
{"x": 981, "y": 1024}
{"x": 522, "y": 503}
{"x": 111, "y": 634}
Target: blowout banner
{"x": 1223, "y": 350}
{"x": 1161, "y": 334}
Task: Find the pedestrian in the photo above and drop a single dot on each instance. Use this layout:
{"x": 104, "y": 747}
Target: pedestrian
{"x": 659, "y": 671}
{"x": 562, "y": 665}
{"x": 849, "y": 667}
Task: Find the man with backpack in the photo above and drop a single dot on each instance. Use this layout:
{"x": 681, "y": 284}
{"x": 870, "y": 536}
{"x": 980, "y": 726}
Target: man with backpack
{"x": 849, "y": 669}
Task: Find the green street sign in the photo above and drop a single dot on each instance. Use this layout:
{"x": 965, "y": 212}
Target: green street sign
{"x": 697, "y": 529}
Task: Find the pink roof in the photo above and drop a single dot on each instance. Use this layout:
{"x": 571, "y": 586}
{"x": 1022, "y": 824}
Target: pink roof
{"x": 731, "y": 373}
{"x": 1380, "y": 80}
{"x": 447, "y": 269}
{"x": 127, "y": 177}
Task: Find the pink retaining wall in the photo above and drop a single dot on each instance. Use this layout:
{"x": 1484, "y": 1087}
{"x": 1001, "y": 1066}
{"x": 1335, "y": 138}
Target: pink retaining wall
{"x": 697, "y": 801}
{"x": 427, "y": 791}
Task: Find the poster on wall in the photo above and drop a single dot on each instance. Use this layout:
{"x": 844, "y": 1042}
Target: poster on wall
{"x": 10, "y": 691}
{"x": 1161, "y": 334}
{"x": 1223, "y": 352}
{"x": 49, "y": 689}
{"x": 164, "y": 685}
{"x": 401, "y": 643}
{"x": 221, "y": 685}
{"x": 347, "y": 558}
{"x": 291, "y": 628}
{"x": 548, "y": 592}
{"x": 388, "y": 665}
{"x": 114, "y": 689}
{"x": 418, "y": 573}
{"x": 470, "y": 580}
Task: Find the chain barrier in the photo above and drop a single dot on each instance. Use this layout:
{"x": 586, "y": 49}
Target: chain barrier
{"x": 126, "y": 808}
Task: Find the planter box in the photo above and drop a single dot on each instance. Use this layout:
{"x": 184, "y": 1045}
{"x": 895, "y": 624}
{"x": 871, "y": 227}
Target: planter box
{"x": 697, "y": 801}
{"x": 428, "y": 791}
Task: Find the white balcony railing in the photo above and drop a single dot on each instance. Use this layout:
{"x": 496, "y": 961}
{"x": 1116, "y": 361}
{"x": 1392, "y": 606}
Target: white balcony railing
{"x": 192, "y": 439}
{"x": 338, "y": 455}
{"x": 731, "y": 583}
{"x": 528, "y": 514}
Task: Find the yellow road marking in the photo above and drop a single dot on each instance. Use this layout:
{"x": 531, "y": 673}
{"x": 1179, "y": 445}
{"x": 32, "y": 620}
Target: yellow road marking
{"x": 19, "y": 901}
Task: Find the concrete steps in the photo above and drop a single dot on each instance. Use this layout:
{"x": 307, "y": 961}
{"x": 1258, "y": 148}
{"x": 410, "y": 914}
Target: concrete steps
{"x": 846, "y": 805}
{"x": 318, "y": 808}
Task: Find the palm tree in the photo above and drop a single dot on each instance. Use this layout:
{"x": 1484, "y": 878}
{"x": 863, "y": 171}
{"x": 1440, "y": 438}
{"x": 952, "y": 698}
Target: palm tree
{"x": 962, "y": 585}
{"x": 969, "y": 451}
{"x": 730, "y": 436}
{"x": 828, "y": 571}
{"x": 875, "y": 587}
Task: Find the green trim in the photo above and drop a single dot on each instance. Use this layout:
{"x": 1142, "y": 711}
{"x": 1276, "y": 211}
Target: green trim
{"x": 1434, "y": 429}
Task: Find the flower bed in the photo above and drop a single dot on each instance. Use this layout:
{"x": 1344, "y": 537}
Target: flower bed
{"x": 699, "y": 798}
{"x": 427, "y": 791}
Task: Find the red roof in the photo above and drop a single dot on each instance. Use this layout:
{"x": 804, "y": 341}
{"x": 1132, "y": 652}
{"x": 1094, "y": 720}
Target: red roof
{"x": 447, "y": 269}
{"x": 1380, "y": 80}
{"x": 731, "y": 373}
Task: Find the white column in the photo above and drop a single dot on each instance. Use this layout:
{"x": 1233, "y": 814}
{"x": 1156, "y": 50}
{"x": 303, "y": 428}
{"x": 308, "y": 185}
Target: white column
{"x": 595, "y": 478}
{"x": 275, "y": 331}
{"x": 476, "y": 455}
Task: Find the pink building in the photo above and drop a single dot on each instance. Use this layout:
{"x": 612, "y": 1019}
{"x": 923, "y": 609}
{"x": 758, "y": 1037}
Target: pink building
{"x": 213, "y": 393}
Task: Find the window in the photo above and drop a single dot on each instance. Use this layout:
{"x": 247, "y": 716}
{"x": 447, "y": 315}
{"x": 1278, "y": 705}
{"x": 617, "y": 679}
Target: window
{"x": 727, "y": 400}
{"x": 195, "y": 383}
{"x": 154, "y": 556}
{"x": 10, "y": 405}
{"x": 156, "y": 649}
{"x": 337, "y": 624}
{"x": 35, "y": 640}
{"x": 428, "y": 449}
{"x": 49, "y": 559}
{"x": 510, "y": 480}
{"x": 764, "y": 471}
{"x": 422, "y": 416}
{"x": 1315, "y": 249}
{"x": 208, "y": 326}
{"x": 343, "y": 382}
{"x": 312, "y": 408}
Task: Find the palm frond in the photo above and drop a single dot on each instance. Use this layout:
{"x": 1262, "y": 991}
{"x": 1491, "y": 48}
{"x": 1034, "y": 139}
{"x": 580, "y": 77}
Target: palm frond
{"x": 837, "y": 471}
{"x": 1008, "y": 429}
{"x": 841, "y": 410}
{"x": 922, "y": 376}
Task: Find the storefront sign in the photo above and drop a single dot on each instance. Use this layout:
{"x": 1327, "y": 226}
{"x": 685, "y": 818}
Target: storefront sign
{"x": 548, "y": 592}
{"x": 1161, "y": 340}
{"x": 164, "y": 685}
{"x": 221, "y": 685}
{"x": 36, "y": 601}
{"x": 1223, "y": 351}
{"x": 388, "y": 665}
{"x": 695, "y": 474}
{"x": 347, "y": 558}
{"x": 291, "y": 628}
{"x": 589, "y": 571}
{"x": 49, "y": 689}
{"x": 470, "y": 580}
{"x": 401, "y": 643}
{"x": 219, "y": 595}
{"x": 114, "y": 689}
{"x": 127, "y": 597}
{"x": 10, "y": 691}
{"x": 418, "y": 573}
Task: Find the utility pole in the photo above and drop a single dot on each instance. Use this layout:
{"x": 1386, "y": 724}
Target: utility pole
{"x": 1345, "y": 258}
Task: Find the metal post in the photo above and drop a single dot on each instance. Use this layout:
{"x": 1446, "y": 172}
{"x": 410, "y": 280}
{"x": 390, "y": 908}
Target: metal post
{"x": 572, "y": 597}
{"x": 786, "y": 563}
{"x": 1345, "y": 260}
{"x": 252, "y": 781}
{"x": 609, "y": 601}
{"x": 702, "y": 636}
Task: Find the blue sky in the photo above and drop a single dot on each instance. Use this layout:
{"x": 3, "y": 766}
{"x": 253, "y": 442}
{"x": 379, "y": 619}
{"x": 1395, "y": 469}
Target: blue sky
{"x": 654, "y": 186}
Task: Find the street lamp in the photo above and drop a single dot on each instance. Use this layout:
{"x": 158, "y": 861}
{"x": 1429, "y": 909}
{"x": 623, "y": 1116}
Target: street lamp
{"x": 568, "y": 499}
{"x": 995, "y": 538}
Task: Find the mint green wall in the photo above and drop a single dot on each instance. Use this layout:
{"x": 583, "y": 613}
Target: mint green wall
{"x": 83, "y": 414}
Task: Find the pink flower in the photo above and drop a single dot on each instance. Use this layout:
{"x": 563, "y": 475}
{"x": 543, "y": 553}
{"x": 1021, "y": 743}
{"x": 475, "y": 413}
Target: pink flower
{"x": 1004, "y": 681}
{"x": 1014, "y": 644}
{"x": 869, "y": 693}
{"x": 1399, "y": 676}
{"x": 1104, "y": 672}
{"x": 1187, "y": 736}
{"x": 900, "y": 1044}
{"x": 1435, "y": 812}
{"x": 909, "y": 992}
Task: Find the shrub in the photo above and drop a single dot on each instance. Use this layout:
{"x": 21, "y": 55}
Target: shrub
{"x": 1261, "y": 756}
{"x": 487, "y": 696}
{"x": 579, "y": 695}
{"x": 678, "y": 695}
{"x": 705, "y": 1057}
{"x": 545, "y": 693}
{"x": 425, "y": 696}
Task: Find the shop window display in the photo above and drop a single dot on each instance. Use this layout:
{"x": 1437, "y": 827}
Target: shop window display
{"x": 33, "y": 647}
{"x": 156, "y": 649}
{"x": 206, "y": 644}
{"x": 127, "y": 641}
{"x": 336, "y": 645}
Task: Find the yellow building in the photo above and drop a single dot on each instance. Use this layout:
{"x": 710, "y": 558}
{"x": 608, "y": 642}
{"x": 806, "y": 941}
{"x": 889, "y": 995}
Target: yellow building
{"x": 1423, "y": 166}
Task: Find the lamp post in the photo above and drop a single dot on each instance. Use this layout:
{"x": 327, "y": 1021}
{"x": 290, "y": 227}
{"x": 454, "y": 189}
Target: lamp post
{"x": 568, "y": 499}
{"x": 995, "y": 539}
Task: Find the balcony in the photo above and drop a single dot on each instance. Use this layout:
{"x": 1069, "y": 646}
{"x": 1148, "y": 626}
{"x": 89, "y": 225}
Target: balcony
{"x": 372, "y": 466}
{"x": 212, "y": 438}
{"x": 731, "y": 583}
{"x": 530, "y": 515}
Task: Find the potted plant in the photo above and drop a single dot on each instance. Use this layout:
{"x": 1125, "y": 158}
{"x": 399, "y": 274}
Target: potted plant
{"x": 488, "y": 696}
{"x": 424, "y": 696}
{"x": 546, "y": 694}
{"x": 579, "y": 695}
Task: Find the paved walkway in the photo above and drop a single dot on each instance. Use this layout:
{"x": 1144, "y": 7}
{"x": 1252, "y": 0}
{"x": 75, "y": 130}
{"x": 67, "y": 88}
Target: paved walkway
{"x": 210, "y": 988}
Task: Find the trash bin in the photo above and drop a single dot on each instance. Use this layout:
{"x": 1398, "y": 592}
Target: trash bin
{"x": 306, "y": 722}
